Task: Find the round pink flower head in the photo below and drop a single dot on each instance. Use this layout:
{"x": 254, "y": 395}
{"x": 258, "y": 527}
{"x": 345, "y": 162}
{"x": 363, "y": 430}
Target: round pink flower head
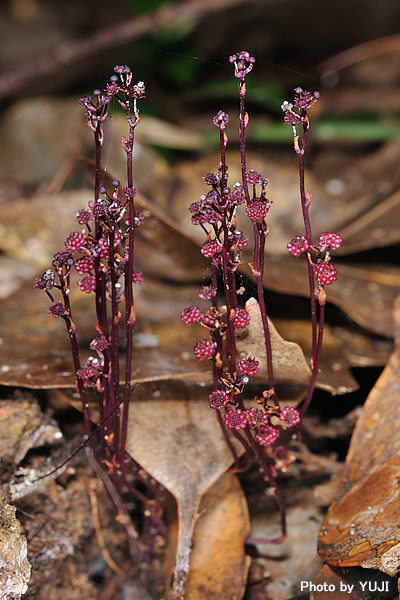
{"x": 74, "y": 241}
{"x": 84, "y": 265}
{"x": 210, "y": 247}
{"x": 258, "y": 210}
{"x": 204, "y": 349}
{"x": 325, "y": 273}
{"x": 211, "y": 179}
{"x": 83, "y": 216}
{"x": 218, "y": 399}
{"x": 87, "y": 284}
{"x": 253, "y": 177}
{"x": 298, "y": 245}
{"x": 267, "y": 436}
{"x": 99, "y": 344}
{"x": 290, "y": 416}
{"x": 236, "y": 419}
{"x": 57, "y": 309}
{"x": 328, "y": 238}
{"x": 137, "y": 277}
{"x": 85, "y": 373}
{"x": 191, "y": 314}
{"x": 248, "y": 366}
{"x": 242, "y": 318}
{"x": 255, "y": 417}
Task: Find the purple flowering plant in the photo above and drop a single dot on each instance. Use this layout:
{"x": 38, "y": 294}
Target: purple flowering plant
{"x": 258, "y": 428}
{"x": 101, "y": 251}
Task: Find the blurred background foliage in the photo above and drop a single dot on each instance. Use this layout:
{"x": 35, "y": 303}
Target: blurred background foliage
{"x": 183, "y": 59}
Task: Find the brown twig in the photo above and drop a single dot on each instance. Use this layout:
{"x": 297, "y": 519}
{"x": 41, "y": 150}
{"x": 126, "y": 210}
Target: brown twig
{"x": 77, "y": 52}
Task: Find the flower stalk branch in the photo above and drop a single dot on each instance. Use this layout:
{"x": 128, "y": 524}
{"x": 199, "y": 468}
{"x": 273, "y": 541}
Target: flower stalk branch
{"x": 321, "y": 271}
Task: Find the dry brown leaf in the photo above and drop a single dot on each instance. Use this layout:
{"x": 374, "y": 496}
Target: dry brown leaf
{"x": 342, "y": 349}
{"x": 368, "y": 63}
{"x": 376, "y": 228}
{"x": 363, "y": 212}
{"x": 35, "y": 351}
{"x": 361, "y": 350}
{"x": 13, "y": 273}
{"x": 357, "y": 349}
{"x": 334, "y": 373}
{"x": 364, "y": 293}
{"x": 367, "y": 294}
{"x": 287, "y": 357}
{"x": 368, "y": 184}
{"x": 33, "y": 230}
{"x": 361, "y": 526}
{"x": 218, "y": 564}
{"x": 157, "y": 132}
{"x": 179, "y": 443}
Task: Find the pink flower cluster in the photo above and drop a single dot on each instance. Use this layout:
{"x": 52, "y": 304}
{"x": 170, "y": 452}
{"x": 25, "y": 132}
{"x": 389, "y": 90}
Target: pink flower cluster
{"x": 254, "y": 418}
{"x": 324, "y": 271}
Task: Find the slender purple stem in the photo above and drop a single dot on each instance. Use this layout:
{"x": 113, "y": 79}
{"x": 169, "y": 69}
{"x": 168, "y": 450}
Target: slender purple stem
{"x": 305, "y": 203}
{"x": 315, "y": 366}
{"x": 260, "y": 237}
{"x": 71, "y": 329}
{"x": 227, "y": 274}
{"x": 130, "y": 315}
{"x": 115, "y": 318}
{"x": 226, "y": 437}
{"x": 124, "y": 519}
{"x": 270, "y": 479}
{"x": 242, "y": 130}
{"x": 100, "y": 299}
{"x": 260, "y": 234}
{"x": 307, "y": 225}
{"x": 101, "y": 304}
